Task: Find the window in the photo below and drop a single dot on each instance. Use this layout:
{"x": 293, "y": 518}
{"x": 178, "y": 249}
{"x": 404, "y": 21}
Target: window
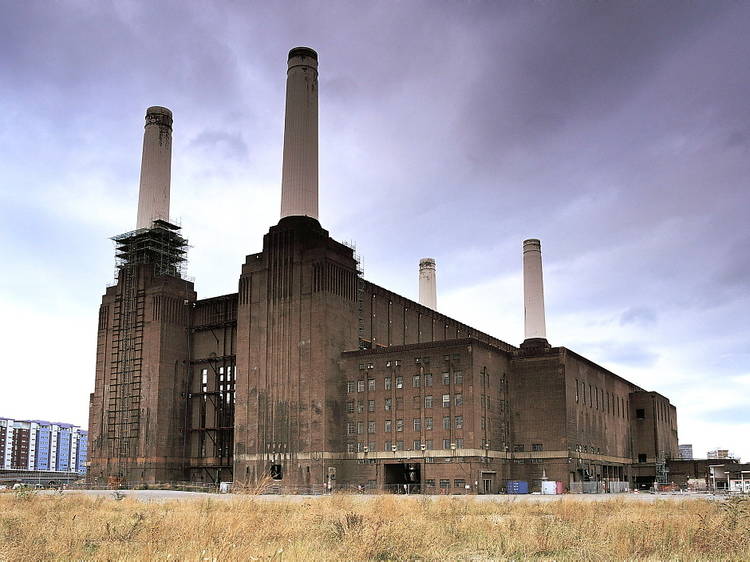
{"x": 387, "y": 383}
{"x": 459, "y": 399}
{"x": 350, "y": 447}
{"x": 458, "y": 377}
{"x": 459, "y": 483}
{"x": 460, "y": 443}
{"x": 576, "y": 391}
{"x": 387, "y": 363}
{"x": 446, "y": 400}
{"x": 642, "y": 457}
{"x": 428, "y": 379}
{"x": 445, "y": 484}
{"x": 417, "y": 424}
{"x": 446, "y": 378}
{"x": 428, "y": 444}
{"x": 359, "y": 446}
{"x": 459, "y": 422}
{"x": 399, "y": 425}
{"x": 360, "y": 428}
{"x": 387, "y": 427}
{"x": 591, "y": 400}
{"x": 456, "y": 357}
{"x": 361, "y": 386}
{"x": 370, "y": 384}
{"x": 537, "y": 447}
{"x": 482, "y": 423}
{"x": 361, "y": 366}
{"x": 388, "y": 446}
{"x": 397, "y": 362}
{"x": 415, "y": 382}
{"x": 350, "y": 407}
{"x": 350, "y": 386}
{"x": 370, "y": 427}
{"x": 388, "y": 404}
{"x": 428, "y": 423}
{"x": 417, "y": 445}
{"x": 640, "y": 413}
{"x": 429, "y": 482}
{"x": 399, "y": 382}
{"x": 360, "y": 406}
{"x": 428, "y": 401}
{"x": 446, "y": 443}
{"x": 446, "y": 422}
{"x": 518, "y": 448}
{"x": 399, "y": 403}
{"x": 371, "y": 445}
{"x": 350, "y": 428}
{"x": 399, "y": 445}
{"x": 371, "y": 405}
{"x": 370, "y": 366}
{"x": 416, "y": 402}
{"x": 446, "y": 357}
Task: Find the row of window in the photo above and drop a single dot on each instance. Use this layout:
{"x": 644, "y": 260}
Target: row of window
{"x": 417, "y": 381}
{"x": 588, "y": 449}
{"x": 417, "y": 361}
{"x": 398, "y": 445}
{"x": 520, "y": 448}
{"x": 445, "y": 483}
{"x": 601, "y": 400}
{"x": 357, "y": 428}
{"x": 388, "y": 403}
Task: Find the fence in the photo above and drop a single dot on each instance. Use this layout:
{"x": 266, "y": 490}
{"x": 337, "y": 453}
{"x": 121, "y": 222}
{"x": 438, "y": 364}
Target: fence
{"x": 599, "y": 487}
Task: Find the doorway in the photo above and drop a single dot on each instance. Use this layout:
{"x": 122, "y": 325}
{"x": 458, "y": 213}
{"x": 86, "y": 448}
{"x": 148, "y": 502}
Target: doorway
{"x": 403, "y": 478}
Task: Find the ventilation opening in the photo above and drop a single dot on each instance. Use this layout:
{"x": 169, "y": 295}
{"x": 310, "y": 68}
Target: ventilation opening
{"x": 277, "y": 472}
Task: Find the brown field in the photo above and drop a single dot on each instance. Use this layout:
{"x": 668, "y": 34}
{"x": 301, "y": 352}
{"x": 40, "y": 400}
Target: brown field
{"x": 83, "y": 527}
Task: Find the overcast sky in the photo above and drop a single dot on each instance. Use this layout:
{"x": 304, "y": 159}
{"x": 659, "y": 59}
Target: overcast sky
{"x": 616, "y": 132}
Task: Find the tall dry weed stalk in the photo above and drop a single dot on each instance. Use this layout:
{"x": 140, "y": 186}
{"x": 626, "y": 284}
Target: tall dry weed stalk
{"x": 244, "y": 527}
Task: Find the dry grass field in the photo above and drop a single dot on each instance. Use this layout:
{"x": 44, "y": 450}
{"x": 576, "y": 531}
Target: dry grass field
{"x": 81, "y": 527}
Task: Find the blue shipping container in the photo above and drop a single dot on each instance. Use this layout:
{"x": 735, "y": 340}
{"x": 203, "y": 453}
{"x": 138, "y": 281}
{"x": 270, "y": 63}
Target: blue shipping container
{"x": 518, "y": 487}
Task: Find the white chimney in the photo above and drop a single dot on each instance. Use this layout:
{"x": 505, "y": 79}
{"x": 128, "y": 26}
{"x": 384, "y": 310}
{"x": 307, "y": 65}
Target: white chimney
{"x": 299, "y": 175}
{"x": 427, "y": 283}
{"x": 156, "y": 167}
{"x": 533, "y": 290}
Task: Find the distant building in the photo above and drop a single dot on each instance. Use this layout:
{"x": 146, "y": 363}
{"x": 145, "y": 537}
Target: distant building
{"x": 719, "y": 454}
{"x": 686, "y": 452}
{"x": 42, "y": 445}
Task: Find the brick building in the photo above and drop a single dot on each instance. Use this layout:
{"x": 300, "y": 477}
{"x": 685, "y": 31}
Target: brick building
{"x": 314, "y": 375}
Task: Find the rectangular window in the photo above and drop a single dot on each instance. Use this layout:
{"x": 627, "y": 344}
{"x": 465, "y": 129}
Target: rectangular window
{"x": 360, "y": 406}
{"x": 371, "y": 405}
{"x": 387, "y": 426}
{"x": 350, "y": 447}
{"x": 370, "y": 427}
{"x": 456, "y": 357}
{"x": 417, "y": 445}
{"x": 387, "y": 383}
{"x": 459, "y": 399}
{"x": 482, "y": 423}
{"x": 417, "y": 424}
{"x": 388, "y": 404}
{"x": 371, "y": 446}
{"x": 350, "y": 386}
{"x": 361, "y": 386}
{"x": 518, "y": 448}
{"x": 446, "y": 400}
{"x": 387, "y": 363}
{"x": 429, "y": 482}
{"x": 370, "y": 384}
{"x": 591, "y": 399}
{"x": 537, "y": 447}
{"x": 399, "y": 403}
{"x": 428, "y": 444}
{"x": 388, "y": 446}
{"x": 370, "y": 366}
{"x": 446, "y": 443}
{"x": 576, "y": 391}
{"x": 445, "y": 484}
{"x": 459, "y": 483}
{"x": 459, "y": 422}
{"x": 417, "y": 402}
{"x": 415, "y": 381}
{"x": 428, "y": 423}
{"x": 640, "y": 414}
{"x": 397, "y": 362}
{"x": 446, "y": 422}
{"x": 642, "y": 457}
{"x": 350, "y": 428}
{"x": 446, "y": 378}
{"x": 458, "y": 377}
{"x": 359, "y": 446}
{"x": 399, "y": 382}
{"x": 428, "y": 379}
{"x": 400, "y": 445}
{"x": 399, "y": 425}
{"x": 350, "y": 407}
{"x": 428, "y": 401}
{"x": 361, "y": 366}
{"x": 360, "y": 428}
{"x": 460, "y": 443}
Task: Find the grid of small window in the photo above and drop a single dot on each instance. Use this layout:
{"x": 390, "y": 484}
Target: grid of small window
{"x": 446, "y": 400}
{"x": 459, "y": 422}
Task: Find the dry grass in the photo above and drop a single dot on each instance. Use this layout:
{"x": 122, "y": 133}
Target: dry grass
{"x": 81, "y": 527}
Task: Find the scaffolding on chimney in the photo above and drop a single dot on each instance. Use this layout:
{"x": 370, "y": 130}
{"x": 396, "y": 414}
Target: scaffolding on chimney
{"x": 161, "y": 245}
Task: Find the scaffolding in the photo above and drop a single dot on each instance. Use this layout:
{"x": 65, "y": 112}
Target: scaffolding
{"x": 163, "y": 247}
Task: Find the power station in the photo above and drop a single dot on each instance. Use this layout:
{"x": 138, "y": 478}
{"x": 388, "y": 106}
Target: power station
{"x": 315, "y": 377}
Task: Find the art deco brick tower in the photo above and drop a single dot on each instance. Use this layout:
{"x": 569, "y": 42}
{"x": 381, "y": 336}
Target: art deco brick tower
{"x": 297, "y": 310}
{"x": 136, "y": 414}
